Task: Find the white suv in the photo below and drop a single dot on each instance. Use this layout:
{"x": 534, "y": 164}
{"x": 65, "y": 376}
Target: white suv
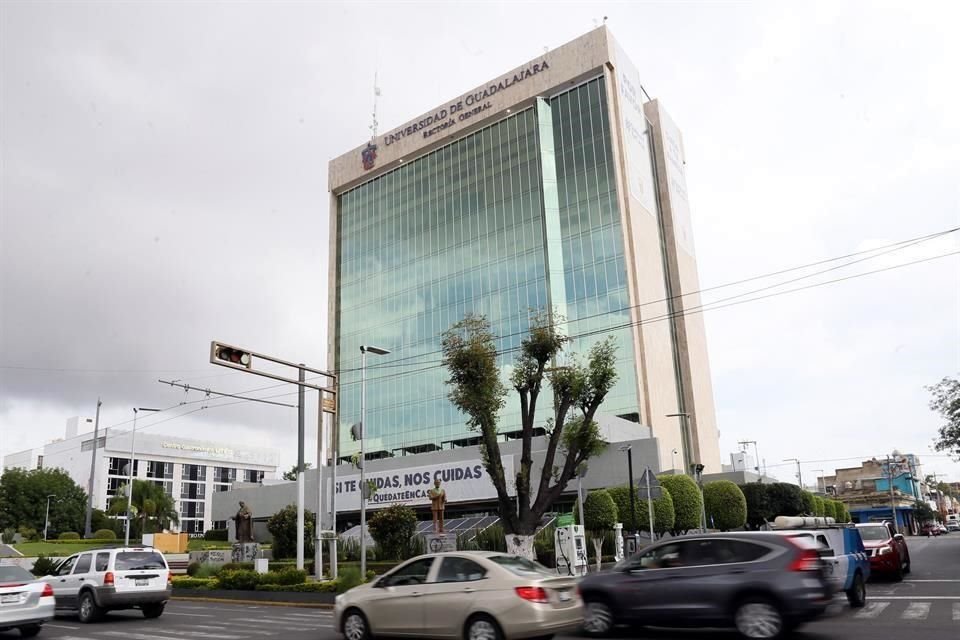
{"x": 94, "y": 582}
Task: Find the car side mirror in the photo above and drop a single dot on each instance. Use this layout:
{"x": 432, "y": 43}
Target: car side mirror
{"x": 898, "y": 536}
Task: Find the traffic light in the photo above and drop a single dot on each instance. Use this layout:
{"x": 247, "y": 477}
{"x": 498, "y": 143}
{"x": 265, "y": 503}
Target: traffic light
{"x": 234, "y": 356}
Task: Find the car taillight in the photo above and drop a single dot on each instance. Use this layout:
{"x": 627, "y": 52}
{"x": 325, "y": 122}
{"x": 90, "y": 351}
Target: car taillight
{"x": 169, "y": 578}
{"x": 108, "y": 578}
{"x": 533, "y": 594}
{"x": 47, "y": 591}
{"x": 808, "y": 560}
{"x": 884, "y": 550}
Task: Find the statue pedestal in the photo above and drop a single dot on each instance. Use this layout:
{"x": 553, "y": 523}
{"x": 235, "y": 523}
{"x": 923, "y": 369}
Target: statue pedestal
{"x": 245, "y": 551}
{"x": 440, "y": 542}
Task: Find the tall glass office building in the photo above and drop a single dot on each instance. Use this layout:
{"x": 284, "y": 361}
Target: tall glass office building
{"x": 539, "y": 190}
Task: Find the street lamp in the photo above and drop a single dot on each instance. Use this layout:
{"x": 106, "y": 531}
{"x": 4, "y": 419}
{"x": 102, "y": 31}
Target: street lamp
{"x": 46, "y": 518}
{"x": 633, "y": 509}
{"x": 363, "y": 462}
{"x": 133, "y": 436}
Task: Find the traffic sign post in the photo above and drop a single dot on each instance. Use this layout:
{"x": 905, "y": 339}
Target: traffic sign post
{"x": 654, "y": 491}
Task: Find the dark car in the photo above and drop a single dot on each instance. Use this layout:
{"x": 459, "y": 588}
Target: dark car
{"x": 763, "y": 584}
{"x": 930, "y": 529}
{"x": 887, "y": 548}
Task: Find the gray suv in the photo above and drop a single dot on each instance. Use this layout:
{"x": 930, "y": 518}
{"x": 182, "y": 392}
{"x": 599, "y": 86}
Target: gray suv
{"x": 763, "y": 584}
{"x": 94, "y": 582}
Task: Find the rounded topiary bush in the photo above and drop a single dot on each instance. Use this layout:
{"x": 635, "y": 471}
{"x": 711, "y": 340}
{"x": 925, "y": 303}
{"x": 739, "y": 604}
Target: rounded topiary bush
{"x": 105, "y": 534}
{"x": 69, "y": 535}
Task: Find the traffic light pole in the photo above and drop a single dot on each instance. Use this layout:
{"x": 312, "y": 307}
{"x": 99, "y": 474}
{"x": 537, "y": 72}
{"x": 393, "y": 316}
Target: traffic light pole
{"x": 233, "y": 357}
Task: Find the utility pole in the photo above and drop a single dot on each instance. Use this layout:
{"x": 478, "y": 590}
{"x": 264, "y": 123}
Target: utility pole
{"x": 756, "y": 456}
{"x": 88, "y": 520}
{"x": 799, "y": 473}
{"x": 893, "y": 500}
{"x": 301, "y": 518}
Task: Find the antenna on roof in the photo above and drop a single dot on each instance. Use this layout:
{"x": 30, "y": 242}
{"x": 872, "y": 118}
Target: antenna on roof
{"x": 376, "y": 94}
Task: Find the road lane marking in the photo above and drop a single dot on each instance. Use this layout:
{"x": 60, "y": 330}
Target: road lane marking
{"x": 872, "y": 610}
{"x": 166, "y": 635}
{"x": 195, "y": 615}
{"x": 59, "y": 626}
{"x": 916, "y": 611}
{"x": 246, "y": 629}
{"x": 909, "y": 581}
{"x": 956, "y": 611}
{"x": 921, "y": 597}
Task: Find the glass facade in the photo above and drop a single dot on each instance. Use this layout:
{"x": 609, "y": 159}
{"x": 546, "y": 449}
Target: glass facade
{"x": 516, "y": 218}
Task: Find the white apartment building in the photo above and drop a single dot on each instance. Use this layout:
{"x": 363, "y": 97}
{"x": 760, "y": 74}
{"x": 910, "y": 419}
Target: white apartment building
{"x": 189, "y": 470}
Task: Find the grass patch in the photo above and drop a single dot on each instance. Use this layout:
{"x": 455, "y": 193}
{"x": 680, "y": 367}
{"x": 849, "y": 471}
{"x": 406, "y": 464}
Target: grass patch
{"x": 59, "y": 549}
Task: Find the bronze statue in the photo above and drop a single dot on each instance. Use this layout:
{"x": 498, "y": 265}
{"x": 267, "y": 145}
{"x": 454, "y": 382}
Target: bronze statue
{"x": 438, "y": 502}
{"x": 243, "y": 520}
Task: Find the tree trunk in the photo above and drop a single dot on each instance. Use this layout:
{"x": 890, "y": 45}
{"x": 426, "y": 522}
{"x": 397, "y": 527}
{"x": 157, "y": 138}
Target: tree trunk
{"x": 598, "y": 547}
{"x": 520, "y": 545}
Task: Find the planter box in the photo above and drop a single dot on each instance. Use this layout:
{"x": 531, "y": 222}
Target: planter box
{"x": 295, "y": 597}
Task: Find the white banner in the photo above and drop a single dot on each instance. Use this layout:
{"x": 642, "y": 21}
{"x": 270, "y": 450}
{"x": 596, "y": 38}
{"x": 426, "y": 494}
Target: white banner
{"x": 464, "y": 481}
{"x": 636, "y": 142}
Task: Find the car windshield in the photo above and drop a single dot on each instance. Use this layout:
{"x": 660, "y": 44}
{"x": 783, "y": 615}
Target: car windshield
{"x": 874, "y": 534}
{"x": 522, "y": 566}
{"x": 16, "y": 574}
{"x": 134, "y": 560}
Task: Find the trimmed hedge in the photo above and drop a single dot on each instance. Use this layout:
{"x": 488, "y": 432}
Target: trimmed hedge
{"x": 105, "y": 534}
{"x": 284, "y": 577}
{"x": 69, "y": 535}
{"x": 725, "y": 504}
{"x": 239, "y": 580}
{"x": 181, "y": 582}
{"x": 216, "y": 535}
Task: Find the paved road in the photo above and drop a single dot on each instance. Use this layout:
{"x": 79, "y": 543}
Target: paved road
{"x": 925, "y": 606}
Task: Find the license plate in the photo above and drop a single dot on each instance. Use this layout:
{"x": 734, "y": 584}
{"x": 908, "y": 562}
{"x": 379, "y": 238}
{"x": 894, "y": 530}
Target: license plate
{"x": 141, "y": 583}
{"x": 10, "y": 598}
{"x": 564, "y": 596}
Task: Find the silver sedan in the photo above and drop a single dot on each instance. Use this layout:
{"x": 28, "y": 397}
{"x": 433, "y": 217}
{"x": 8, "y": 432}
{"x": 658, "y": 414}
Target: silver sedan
{"x": 469, "y": 595}
{"x": 25, "y": 602}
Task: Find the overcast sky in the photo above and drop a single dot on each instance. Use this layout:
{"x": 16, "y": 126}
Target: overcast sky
{"x": 163, "y": 184}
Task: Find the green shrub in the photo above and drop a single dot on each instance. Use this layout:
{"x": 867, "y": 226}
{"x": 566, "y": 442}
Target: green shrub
{"x": 44, "y": 566}
{"x": 182, "y": 582}
{"x": 287, "y": 576}
{"x": 349, "y": 578}
{"x": 392, "y": 529}
{"x": 216, "y": 535}
{"x": 687, "y": 502}
{"x": 785, "y": 499}
{"x": 28, "y": 534}
{"x": 759, "y": 508}
{"x": 809, "y": 506}
{"x": 725, "y": 504}
{"x": 192, "y": 569}
{"x": 237, "y": 566}
{"x": 69, "y": 535}
{"x": 239, "y": 580}
{"x": 599, "y": 511}
{"x": 283, "y": 527}
{"x": 663, "y": 513}
{"x": 819, "y": 507}
{"x": 8, "y": 536}
{"x": 104, "y": 534}
{"x": 207, "y": 570}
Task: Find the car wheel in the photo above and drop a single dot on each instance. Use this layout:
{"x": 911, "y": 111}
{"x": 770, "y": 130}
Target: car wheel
{"x": 152, "y": 610}
{"x": 906, "y": 569}
{"x": 355, "y": 625}
{"x": 898, "y": 573}
{"x": 857, "y": 594}
{"x": 29, "y": 630}
{"x": 482, "y": 628}
{"x": 759, "y": 618}
{"x": 598, "y": 618}
{"x": 88, "y": 611}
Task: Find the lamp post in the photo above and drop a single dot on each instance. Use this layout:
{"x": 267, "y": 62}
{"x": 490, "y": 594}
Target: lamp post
{"x": 46, "y": 518}
{"x": 633, "y": 508}
{"x": 133, "y": 436}
{"x": 363, "y": 461}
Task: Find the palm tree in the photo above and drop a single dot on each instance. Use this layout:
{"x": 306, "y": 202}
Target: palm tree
{"x": 152, "y": 506}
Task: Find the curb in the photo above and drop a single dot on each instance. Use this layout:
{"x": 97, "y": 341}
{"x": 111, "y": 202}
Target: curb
{"x": 269, "y": 603}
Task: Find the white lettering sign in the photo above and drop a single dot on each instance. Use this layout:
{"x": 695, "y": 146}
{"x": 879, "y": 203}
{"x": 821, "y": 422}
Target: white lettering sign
{"x": 636, "y": 141}
{"x": 463, "y": 481}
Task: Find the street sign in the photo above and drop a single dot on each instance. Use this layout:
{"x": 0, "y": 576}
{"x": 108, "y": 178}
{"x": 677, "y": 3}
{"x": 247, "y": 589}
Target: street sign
{"x": 565, "y": 520}
{"x": 648, "y": 479}
{"x": 329, "y": 405}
